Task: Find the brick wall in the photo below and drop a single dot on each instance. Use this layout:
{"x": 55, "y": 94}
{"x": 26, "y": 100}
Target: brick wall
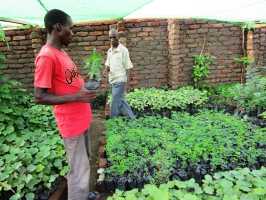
{"x": 259, "y": 43}
{"x": 89, "y": 36}
{"x": 20, "y": 56}
{"x": 256, "y": 49}
{"x": 161, "y": 50}
{"x": 25, "y": 44}
{"x": 175, "y": 66}
{"x": 221, "y": 40}
{"x": 147, "y": 44}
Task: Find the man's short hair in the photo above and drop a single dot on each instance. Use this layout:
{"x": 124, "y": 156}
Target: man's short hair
{"x": 53, "y": 17}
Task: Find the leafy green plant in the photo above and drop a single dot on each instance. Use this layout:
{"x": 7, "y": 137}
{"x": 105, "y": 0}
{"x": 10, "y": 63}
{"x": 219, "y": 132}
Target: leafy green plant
{"x": 159, "y": 99}
{"x": 252, "y": 95}
{"x": 222, "y": 95}
{"x": 2, "y": 36}
{"x": 2, "y": 60}
{"x": 248, "y": 97}
{"x": 248, "y": 25}
{"x": 201, "y": 68}
{"x": 151, "y": 146}
{"x": 224, "y": 89}
{"x": 263, "y": 115}
{"x": 245, "y": 63}
{"x": 233, "y": 185}
{"x": 32, "y": 154}
{"x": 31, "y": 151}
{"x": 93, "y": 65}
{"x": 2, "y": 57}
{"x": 244, "y": 60}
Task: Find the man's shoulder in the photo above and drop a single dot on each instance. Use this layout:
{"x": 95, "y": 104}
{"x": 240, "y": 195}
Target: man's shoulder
{"x": 109, "y": 50}
{"x": 122, "y": 47}
{"x": 46, "y": 51}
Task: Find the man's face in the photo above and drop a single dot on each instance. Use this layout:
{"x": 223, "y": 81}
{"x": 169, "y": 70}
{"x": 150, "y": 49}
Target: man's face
{"x": 66, "y": 33}
{"x": 113, "y": 36}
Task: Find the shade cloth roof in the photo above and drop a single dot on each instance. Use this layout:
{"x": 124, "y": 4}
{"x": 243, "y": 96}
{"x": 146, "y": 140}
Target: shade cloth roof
{"x": 224, "y": 10}
{"x": 33, "y": 11}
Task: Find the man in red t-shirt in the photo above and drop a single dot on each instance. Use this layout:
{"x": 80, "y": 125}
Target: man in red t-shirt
{"x": 57, "y": 82}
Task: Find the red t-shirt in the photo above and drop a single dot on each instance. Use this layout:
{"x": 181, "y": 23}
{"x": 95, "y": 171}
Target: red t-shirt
{"x": 56, "y": 71}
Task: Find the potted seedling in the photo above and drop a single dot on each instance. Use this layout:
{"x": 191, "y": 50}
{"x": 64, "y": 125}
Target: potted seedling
{"x": 93, "y": 66}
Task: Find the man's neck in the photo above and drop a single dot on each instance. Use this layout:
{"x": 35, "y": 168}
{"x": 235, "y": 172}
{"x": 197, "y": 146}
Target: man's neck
{"x": 113, "y": 47}
{"x": 54, "y": 42}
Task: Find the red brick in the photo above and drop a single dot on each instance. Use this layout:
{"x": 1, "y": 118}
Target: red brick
{"x": 97, "y": 43}
{"x": 96, "y": 33}
{"x": 148, "y": 29}
{"x": 89, "y": 38}
{"x": 142, "y": 34}
{"x": 103, "y": 37}
{"x": 22, "y": 37}
{"x": 82, "y": 34}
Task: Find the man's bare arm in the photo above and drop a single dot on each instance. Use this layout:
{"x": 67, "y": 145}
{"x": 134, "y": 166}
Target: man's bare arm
{"x": 42, "y": 96}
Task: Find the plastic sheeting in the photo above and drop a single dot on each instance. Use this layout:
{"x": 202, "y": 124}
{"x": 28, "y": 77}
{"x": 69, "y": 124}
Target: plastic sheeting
{"x": 224, "y": 10}
{"x": 33, "y": 11}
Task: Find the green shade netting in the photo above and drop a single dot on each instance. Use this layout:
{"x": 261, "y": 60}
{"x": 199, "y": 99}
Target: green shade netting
{"x": 33, "y": 11}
